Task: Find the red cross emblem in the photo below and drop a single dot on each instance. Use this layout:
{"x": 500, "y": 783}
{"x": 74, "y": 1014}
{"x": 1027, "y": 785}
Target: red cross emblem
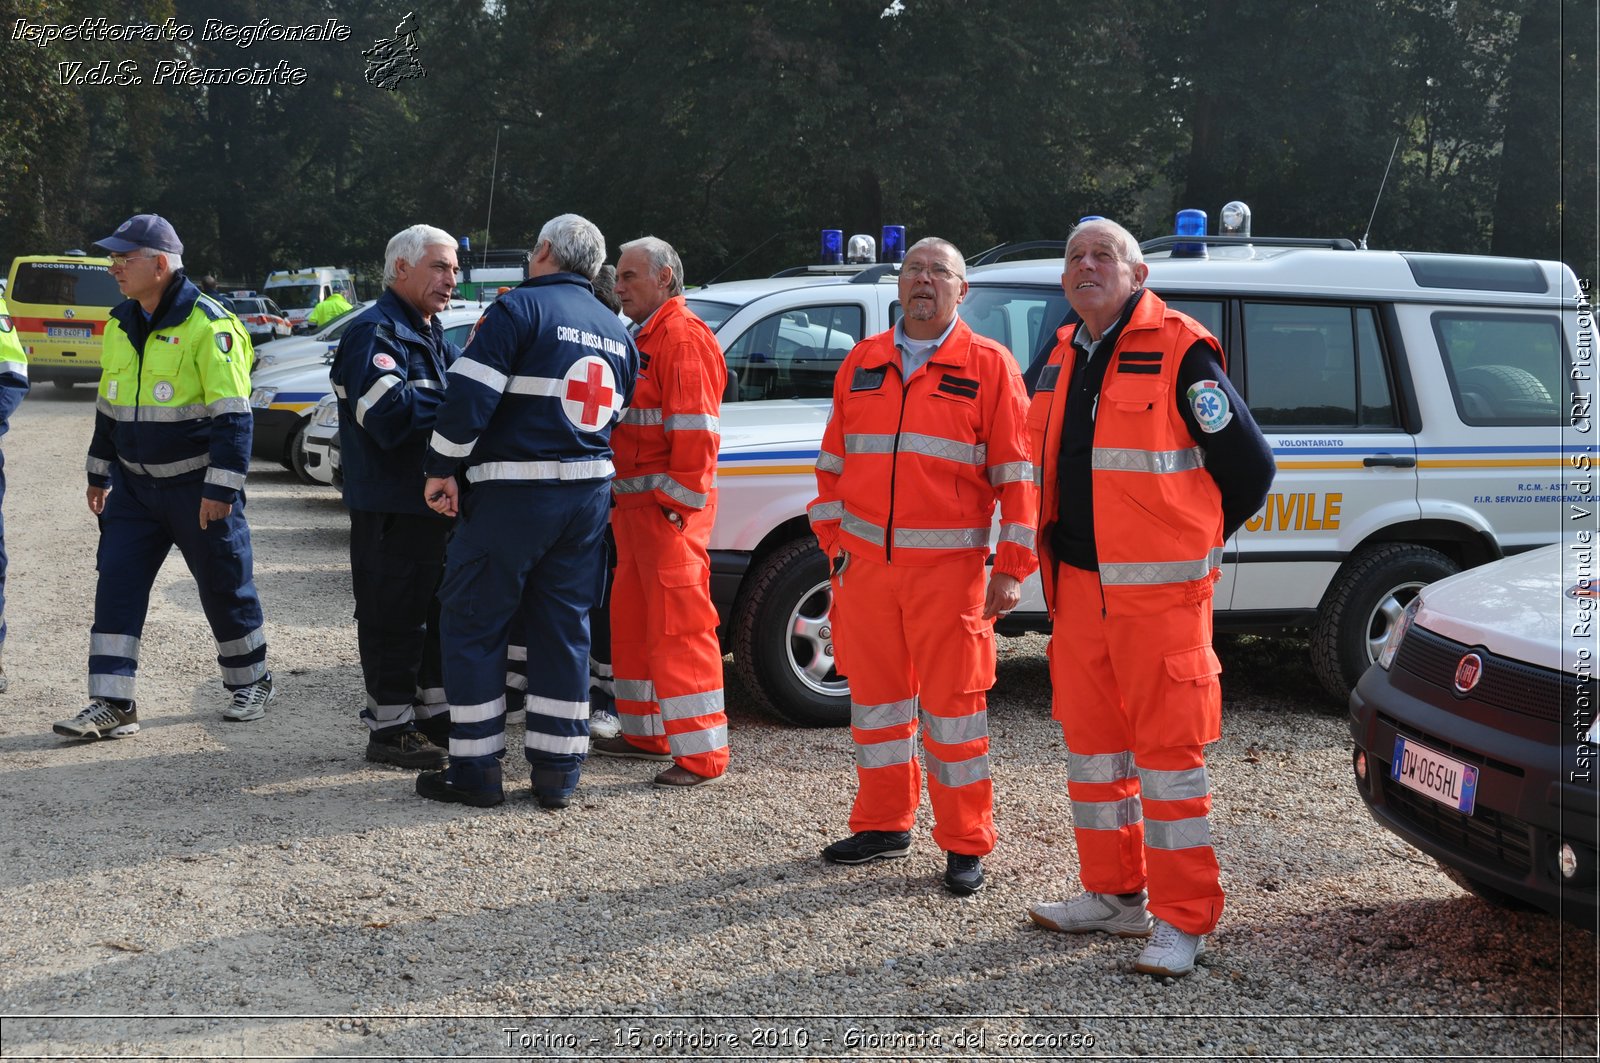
{"x": 590, "y": 395}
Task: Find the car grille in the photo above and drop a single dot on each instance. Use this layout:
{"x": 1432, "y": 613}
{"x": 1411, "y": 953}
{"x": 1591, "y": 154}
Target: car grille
{"x": 1541, "y": 693}
{"x": 1486, "y": 834}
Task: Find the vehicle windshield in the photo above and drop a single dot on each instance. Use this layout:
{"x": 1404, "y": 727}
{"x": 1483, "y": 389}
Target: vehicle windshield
{"x": 297, "y": 296}
{"x": 712, "y": 313}
{"x": 64, "y": 284}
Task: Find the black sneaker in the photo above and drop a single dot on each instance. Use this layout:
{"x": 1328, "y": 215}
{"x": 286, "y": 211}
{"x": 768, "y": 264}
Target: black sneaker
{"x": 435, "y": 787}
{"x": 963, "y": 874}
{"x": 869, "y": 845}
{"x": 405, "y": 749}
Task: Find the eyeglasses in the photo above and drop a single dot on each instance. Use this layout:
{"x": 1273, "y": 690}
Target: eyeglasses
{"x": 118, "y": 259}
{"x": 937, "y": 272}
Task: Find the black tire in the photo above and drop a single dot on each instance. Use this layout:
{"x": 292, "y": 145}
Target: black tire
{"x": 782, "y": 641}
{"x": 1361, "y": 606}
{"x": 295, "y": 454}
{"x": 1497, "y": 897}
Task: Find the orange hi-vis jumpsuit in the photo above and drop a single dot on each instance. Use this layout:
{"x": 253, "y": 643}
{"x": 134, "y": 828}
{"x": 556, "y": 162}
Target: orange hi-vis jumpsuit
{"x": 1135, "y": 679}
{"x": 665, "y": 654}
{"x": 907, "y": 480}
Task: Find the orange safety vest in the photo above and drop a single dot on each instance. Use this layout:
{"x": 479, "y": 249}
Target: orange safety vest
{"x": 1157, "y": 512}
{"x": 908, "y": 474}
{"x": 665, "y": 448}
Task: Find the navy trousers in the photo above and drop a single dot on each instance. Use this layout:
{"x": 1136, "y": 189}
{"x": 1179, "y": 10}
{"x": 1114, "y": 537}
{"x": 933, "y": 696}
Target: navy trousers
{"x": 141, "y": 523}
{"x": 523, "y": 567}
{"x": 396, "y": 561}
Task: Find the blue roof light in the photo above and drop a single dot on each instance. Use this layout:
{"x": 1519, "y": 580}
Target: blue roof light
{"x": 1190, "y": 223}
{"x": 832, "y": 248}
{"x": 893, "y": 244}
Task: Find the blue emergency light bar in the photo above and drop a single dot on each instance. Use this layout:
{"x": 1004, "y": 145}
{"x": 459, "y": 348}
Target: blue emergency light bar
{"x": 893, "y": 244}
{"x": 1190, "y": 223}
{"x": 832, "y": 253}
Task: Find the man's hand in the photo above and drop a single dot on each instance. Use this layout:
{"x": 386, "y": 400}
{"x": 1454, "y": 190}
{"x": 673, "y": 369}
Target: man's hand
{"x": 97, "y": 499}
{"x": 1003, "y": 595}
{"x": 211, "y": 509}
{"x": 441, "y": 494}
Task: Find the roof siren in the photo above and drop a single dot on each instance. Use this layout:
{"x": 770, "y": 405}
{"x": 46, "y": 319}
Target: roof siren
{"x": 1234, "y": 219}
{"x": 893, "y": 244}
{"x": 863, "y": 250}
{"x": 1190, "y": 223}
{"x": 831, "y": 252}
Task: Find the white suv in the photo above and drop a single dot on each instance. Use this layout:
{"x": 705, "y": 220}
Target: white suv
{"x": 1421, "y": 407}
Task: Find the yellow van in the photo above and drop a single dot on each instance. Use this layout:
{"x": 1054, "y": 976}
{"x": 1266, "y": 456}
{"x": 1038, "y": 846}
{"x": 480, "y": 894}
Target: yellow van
{"x": 60, "y": 304}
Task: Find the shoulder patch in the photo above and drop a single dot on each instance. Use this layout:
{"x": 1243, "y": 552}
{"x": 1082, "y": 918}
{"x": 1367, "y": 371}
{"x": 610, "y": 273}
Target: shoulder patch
{"x": 1209, "y": 403}
{"x": 224, "y": 341}
{"x": 383, "y": 361}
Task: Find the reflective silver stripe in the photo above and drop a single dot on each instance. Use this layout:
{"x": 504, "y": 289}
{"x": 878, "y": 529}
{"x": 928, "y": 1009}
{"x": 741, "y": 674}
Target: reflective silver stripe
{"x": 514, "y": 717}
{"x": 492, "y": 379}
{"x": 224, "y": 478}
{"x": 958, "y": 773}
{"x": 861, "y": 529}
{"x": 243, "y": 676}
{"x": 691, "y": 742}
{"x": 488, "y": 710}
{"x": 1192, "y": 833}
{"x": 378, "y": 390}
{"x": 1107, "y": 815}
{"x": 686, "y": 706}
{"x": 428, "y": 385}
{"x": 440, "y": 445}
{"x": 953, "y": 730}
{"x": 383, "y": 715}
{"x": 825, "y": 511}
{"x": 103, "y": 645}
{"x": 1012, "y": 472}
{"x": 477, "y": 747}
{"x": 940, "y": 447}
{"x": 1038, "y": 475}
{"x": 171, "y": 468}
{"x": 1174, "y": 785}
{"x": 561, "y": 745}
{"x": 692, "y": 422}
{"x": 598, "y": 469}
{"x": 533, "y": 385}
{"x": 106, "y": 685}
{"x": 116, "y": 413}
{"x": 432, "y": 696}
{"x": 869, "y": 444}
{"x": 1020, "y": 534}
{"x": 1114, "y": 459}
{"x": 231, "y": 405}
{"x": 557, "y": 710}
{"x": 338, "y": 389}
{"x": 1099, "y": 767}
{"x": 827, "y": 462}
{"x": 641, "y": 726}
{"x": 635, "y": 690}
{"x": 98, "y": 467}
{"x": 19, "y": 368}
{"x": 428, "y": 710}
{"x": 889, "y": 714}
{"x": 516, "y": 681}
{"x": 884, "y": 754}
{"x": 171, "y": 414}
{"x": 233, "y": 647}
{"x": 659, "y": 481}
{"x": 516, "y": 653}
{"x": 1158, "y": 572}
{"x": 644, "y": 415}
{"x": 940, "y": 538}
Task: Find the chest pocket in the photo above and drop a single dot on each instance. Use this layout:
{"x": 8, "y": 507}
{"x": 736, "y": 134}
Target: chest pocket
{"x": 162, "y": 357}
{"x": 1135, "y": 392}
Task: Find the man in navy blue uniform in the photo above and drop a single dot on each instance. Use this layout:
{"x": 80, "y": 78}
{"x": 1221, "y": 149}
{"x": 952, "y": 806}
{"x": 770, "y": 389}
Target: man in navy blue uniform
{"x": 166, "y": 468}
{"x": 527, "y": 424}
{"x": 389, "y": 376}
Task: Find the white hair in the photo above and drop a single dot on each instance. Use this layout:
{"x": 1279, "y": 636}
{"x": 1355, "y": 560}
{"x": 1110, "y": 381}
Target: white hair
{"x": 575, "y": 243}
{"x": 1127, "y": 247}
{"x": 174, "y": 260}
{"x": 661, "y": 256}
{"x": 409, "y": 244}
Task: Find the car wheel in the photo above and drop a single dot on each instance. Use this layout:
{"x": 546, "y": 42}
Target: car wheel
{"x": 1497, "y": 897}
{"x": 295, "y": 454}
{"x": 1362, "y": 605}
{"x": 783, "y": 641}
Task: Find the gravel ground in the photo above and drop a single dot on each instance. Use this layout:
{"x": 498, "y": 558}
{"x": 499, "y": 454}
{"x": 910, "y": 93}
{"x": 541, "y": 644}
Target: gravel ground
{"x": 217, "y": 890}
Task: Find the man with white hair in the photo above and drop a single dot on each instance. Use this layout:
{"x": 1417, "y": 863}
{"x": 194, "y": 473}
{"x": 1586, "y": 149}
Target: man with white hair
{"x": 1148, "y": 462}
{"x": 166, "y": 468}
{"x": 666, "y": 659}
{"x": 526, "y": 425}
{"x": 389, "y": 375}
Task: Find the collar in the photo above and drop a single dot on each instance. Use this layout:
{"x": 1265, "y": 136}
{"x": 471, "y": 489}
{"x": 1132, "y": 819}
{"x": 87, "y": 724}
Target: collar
{"x": 952, "y": 348}
{"x": 402, "y": 313}
{"x": 659, "y": 316}
{"x": 903, "y": 342}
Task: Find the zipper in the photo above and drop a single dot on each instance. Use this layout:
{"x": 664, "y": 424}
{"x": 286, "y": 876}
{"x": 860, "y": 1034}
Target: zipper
{"x": 894, "y": 472}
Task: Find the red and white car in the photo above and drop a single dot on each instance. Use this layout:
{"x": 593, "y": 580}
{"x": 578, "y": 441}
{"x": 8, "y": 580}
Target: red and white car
{"x": 262, "y": 318}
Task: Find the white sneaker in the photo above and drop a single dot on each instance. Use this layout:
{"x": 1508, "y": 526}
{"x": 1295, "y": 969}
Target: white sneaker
{"x": 1090, "y": 912}
{"x": 1171, "y": 952}
{"x": 102, "y": 719}
{"x": 250, "y": 703}
{"x": 603, "y": 723}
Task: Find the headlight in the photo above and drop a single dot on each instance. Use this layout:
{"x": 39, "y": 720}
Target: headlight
{"x": 1391, "y": 645}
{"x": 327, "y": 415}
{"x": 261, "y": 398}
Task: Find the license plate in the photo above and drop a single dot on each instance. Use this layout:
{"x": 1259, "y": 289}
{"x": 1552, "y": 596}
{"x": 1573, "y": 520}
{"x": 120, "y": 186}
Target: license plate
{"x": 1432, "y": 774}
{"x": 63, "y": 332}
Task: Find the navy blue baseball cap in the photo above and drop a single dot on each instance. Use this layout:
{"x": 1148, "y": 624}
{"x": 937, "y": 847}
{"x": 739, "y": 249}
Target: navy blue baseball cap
{"x": 143, "y": 231}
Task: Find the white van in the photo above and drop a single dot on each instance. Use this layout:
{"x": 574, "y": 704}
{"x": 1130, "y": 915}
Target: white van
{"x": 298, "y": 291}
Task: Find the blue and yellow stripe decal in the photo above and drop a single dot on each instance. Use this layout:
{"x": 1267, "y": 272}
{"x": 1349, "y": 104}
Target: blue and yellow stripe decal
{"x": 800, "y": 461}
{"x": 1506, "y": 457}
{"x": 296, "y": 401}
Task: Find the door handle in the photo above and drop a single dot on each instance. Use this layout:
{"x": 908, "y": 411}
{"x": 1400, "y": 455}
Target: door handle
{"x": 1390, "y": 460}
